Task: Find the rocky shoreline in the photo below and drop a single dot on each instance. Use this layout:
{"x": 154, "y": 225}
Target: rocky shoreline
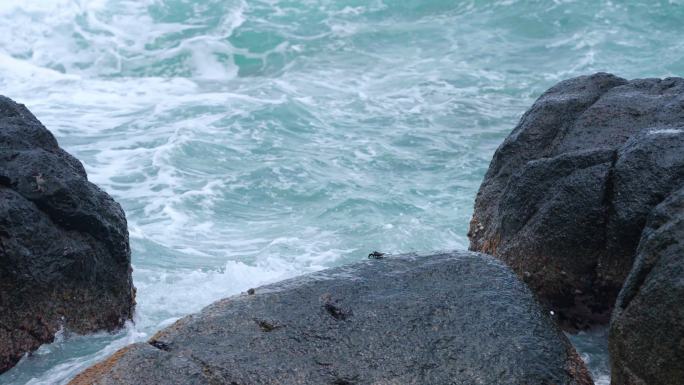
{"x": 581, "y": 213}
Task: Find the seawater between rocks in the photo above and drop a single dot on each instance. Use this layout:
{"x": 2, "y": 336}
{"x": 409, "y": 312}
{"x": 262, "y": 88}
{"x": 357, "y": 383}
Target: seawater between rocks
{"x": 251, "y": 141}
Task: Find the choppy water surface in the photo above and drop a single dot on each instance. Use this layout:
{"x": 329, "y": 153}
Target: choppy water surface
{"x": 250, "y": 141}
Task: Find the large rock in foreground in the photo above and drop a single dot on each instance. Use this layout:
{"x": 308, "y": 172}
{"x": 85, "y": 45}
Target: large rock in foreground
{"x": 568, "y": 192}
{"x": 64, "y": 253}
{"x": 460, "y": 318}
{"x": 647, "y": 330}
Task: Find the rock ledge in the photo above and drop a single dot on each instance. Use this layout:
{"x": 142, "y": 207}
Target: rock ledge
{"x": 457, "y": 317}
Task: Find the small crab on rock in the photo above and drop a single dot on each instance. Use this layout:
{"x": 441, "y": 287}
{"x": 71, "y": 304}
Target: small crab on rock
{"x": 376, "y": 255}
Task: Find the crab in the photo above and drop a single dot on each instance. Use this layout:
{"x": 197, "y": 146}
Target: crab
{"x": 40, "y": 182}
{"x": 376, "y": 255}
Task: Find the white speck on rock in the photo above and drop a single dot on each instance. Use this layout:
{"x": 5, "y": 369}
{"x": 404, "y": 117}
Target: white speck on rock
{"x": 666, "y": 131}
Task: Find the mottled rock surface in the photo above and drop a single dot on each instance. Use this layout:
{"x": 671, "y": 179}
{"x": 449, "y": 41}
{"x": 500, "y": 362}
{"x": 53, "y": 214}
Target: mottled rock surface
{"x": 456, "y": 318}
{"x": 64, "y": 252}
{"x": 568, "y": 192}
{"x": 646, "y": 337}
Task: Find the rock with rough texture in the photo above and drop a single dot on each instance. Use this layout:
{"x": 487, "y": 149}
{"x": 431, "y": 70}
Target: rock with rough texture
{"x": 568, "y": 192}
{"x": 457, "y": 318}
{"x": 646, "y": 337}
{"x": 64, "y": 252}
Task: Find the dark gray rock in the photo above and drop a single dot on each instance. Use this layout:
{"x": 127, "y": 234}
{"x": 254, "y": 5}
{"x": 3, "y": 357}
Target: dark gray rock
{"x": 646, "y": 337}
{"x": 457, "y": 318}
{"x": 568, "y": 192}
{"x": 64, "y": 253}
{"x": 649, "y": 166}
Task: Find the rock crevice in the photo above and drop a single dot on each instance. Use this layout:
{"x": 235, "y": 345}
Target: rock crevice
{"x": 646, "y": 337}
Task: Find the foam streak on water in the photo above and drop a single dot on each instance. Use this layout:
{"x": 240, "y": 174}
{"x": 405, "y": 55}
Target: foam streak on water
{"x": 253, "y": 140}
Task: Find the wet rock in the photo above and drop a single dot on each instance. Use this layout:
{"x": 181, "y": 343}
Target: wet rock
{"x": 568, "y": 192}
{"x": 64, "y": 253}
{"x": 646, "y": 337}
{"x": 450, "y": 318}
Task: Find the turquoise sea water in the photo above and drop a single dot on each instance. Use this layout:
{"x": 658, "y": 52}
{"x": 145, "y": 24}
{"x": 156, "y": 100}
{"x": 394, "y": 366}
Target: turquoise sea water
{"x": 250, "y": 141}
